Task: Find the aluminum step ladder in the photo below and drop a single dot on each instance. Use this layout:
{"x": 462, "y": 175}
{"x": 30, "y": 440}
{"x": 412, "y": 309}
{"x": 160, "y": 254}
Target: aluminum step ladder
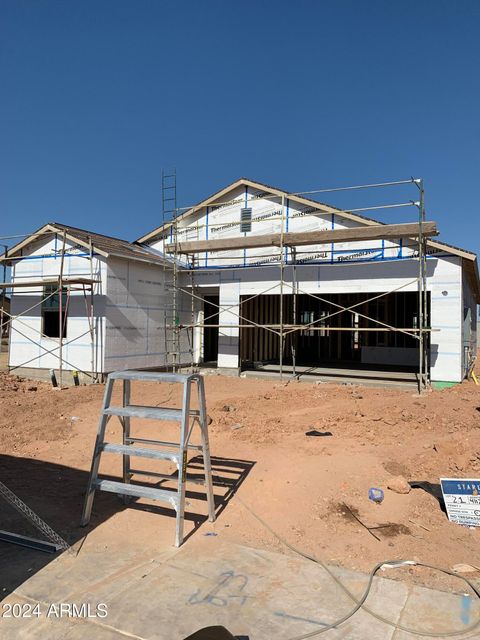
{"x": 176, "y": 452}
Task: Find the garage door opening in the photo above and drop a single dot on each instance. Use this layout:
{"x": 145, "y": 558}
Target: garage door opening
{"x": 332, "y": 339}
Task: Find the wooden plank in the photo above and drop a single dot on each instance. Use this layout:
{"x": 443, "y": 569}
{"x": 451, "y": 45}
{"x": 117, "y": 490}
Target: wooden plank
{"x": 372, "y": 232}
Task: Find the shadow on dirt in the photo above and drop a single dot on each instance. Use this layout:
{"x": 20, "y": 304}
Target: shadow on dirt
{"x": 433, "y": 489}
{"x": 56, "y": 493}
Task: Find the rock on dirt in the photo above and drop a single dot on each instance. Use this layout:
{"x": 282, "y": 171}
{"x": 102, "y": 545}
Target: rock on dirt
{"x": 399, "y": 484}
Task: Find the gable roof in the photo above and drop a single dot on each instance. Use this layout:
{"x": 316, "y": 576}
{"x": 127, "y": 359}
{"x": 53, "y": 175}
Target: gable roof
{"x": 213, "y": 199}
{"x": 469, "y": 257}
{"x": 104, "y": 245}
{"x": 321, "y": 206}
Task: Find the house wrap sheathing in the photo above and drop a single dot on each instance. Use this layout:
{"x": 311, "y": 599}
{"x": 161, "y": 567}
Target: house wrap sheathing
{"x": 341, "y": 274}
{"x": 116, "y": 300}
{"x": 122, "y": 316}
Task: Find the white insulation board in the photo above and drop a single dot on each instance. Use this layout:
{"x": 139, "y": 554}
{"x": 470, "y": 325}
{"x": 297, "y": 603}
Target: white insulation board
{"x": 28, "y": 346}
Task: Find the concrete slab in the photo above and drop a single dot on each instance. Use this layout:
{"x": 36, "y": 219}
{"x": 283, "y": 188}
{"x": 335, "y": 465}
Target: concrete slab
{"x": 312, "y": 375}
{"x": 256, "y": 594}
{"x": 437, "y": 612}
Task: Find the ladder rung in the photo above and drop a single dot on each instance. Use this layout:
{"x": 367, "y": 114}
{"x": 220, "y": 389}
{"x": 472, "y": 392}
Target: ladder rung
{"x": 141, "y": 453}
{"x": 152, "y": 474}
{"x": 168, "y": 476}
{"x": 162, "y": 443}
{"x": 152, "y": 375}
{"x": 137, "y": 490}
{"x": 137, "y": 411}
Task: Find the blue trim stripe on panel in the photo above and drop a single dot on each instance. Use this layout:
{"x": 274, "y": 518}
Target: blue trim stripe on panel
{"x": 245, "y": 233}
{"x": 206, "y": 235}
{"x": 47, "y": 257}
{"x": 286, "y": 229}
{"x": 321, "y": 262}
{"x": 332, "y": 245}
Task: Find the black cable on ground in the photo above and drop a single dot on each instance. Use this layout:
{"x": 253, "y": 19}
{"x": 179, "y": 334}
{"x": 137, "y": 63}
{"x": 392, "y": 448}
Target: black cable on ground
{"x": 359, "y": 602}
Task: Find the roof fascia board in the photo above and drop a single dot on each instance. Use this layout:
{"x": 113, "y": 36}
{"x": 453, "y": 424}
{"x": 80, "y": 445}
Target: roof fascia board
{"x": 28, "y": 240}
{"x": 191, "y": 210}
{"x": 467, "y": 255}
{"x": 471, "y": 268}
{"x": 48, "y": 228}
{"x": 323, "y": 208}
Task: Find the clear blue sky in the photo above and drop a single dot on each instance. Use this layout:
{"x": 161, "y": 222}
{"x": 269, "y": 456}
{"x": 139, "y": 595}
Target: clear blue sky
{"x": 97, "y": 96}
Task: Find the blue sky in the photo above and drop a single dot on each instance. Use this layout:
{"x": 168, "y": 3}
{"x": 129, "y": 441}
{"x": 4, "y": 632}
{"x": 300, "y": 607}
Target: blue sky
{"x": 98, "y": 96}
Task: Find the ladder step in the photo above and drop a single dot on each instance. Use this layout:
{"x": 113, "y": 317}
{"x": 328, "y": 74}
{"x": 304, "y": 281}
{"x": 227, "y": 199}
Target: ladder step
{"x": 138, "y": 491}
{"x": 164, "y": 443}
{"x": 128, "y": 450}
{"x": 153, "y": 375}
{"x": 137, "y": 411}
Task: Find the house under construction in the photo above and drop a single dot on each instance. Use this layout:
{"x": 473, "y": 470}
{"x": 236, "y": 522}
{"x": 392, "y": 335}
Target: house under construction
{"x": 251, "y": 278}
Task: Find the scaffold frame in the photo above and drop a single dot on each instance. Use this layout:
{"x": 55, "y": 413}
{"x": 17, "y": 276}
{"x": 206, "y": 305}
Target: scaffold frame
{"x": 419, "y": 240}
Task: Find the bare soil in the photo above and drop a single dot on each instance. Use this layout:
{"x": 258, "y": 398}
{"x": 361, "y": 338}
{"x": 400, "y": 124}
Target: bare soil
{"x": 311, "y": 489}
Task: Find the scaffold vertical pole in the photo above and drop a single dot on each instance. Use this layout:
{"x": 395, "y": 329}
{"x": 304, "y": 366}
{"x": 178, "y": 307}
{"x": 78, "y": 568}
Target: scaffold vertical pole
{"x": 60, "y": 311}
{"x": 3, "y": 323}
{"x": 282, "y": 275}
{"x": 176, "y": 317}
{"x": 91, "y": 317}
{"x": 422, "y": 291}
{"x": 294, "y": 310}
{"x": 193, "y": 332}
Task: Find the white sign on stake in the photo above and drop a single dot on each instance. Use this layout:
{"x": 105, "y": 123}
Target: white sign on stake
{"x": 462, "y": 500}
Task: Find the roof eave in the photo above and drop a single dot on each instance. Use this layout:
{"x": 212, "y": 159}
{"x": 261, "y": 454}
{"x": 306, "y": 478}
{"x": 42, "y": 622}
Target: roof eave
{"x": 47, "y": 228}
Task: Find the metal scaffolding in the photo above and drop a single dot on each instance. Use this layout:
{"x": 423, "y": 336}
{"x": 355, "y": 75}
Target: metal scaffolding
{"x": 176, "y": 248}
{"x": 61, "y": 286}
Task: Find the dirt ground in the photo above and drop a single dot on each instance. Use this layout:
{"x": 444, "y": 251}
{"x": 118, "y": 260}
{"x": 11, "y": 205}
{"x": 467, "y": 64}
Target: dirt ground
{"x": 313, "y": 490}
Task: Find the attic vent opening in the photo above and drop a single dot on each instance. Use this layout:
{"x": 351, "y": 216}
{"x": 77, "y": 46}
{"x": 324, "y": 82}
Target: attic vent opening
{"x": 245, "y": 220}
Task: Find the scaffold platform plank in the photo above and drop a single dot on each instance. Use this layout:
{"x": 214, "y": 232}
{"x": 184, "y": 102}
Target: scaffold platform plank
{"x": 371, "y": 232}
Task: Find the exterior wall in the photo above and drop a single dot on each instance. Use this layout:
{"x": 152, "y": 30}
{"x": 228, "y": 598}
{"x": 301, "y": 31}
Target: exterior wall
{"x": 446, "y": 319}
{"x": 223, "y": 221}
{"x": 29, "y": 349}
{"x": 470, "y": 312}
{"x": 139, "y": 303}
{"x": 444, "y": 284}
{"x": 365, "y": 267}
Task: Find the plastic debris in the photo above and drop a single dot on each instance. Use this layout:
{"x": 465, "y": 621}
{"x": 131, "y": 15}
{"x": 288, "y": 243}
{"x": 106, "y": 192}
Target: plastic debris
{"x": 376, "y": 495}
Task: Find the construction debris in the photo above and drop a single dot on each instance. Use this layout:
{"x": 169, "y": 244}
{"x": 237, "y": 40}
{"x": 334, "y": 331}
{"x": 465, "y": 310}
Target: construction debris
{"x": 321, "y": 434}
